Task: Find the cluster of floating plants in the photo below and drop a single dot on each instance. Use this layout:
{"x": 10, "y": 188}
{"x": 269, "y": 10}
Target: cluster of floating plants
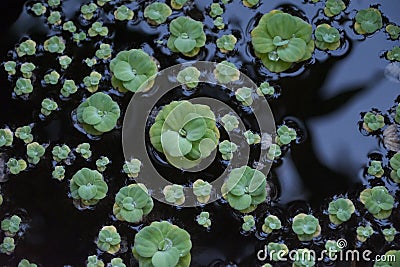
{"x": 183, "y": 134}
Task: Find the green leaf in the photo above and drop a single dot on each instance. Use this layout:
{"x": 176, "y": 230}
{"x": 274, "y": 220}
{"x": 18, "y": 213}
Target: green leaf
{"x": 123, "y": 71}
{"x": 87, "y": 192}
{"x": 91, "y": 116}
{"x": 293, "y": 51}
{"x": 174, "y": 144}
{"x": 184, "y": 45}
{"x": 166, "y": 258}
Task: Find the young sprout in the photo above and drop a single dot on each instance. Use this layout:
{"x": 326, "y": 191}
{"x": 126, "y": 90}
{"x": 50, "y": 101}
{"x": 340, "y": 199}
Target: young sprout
{"x": 132, "y": 168}
{"x": 24, "y": 133}
{"x": 277, "y": 251}
{"x": 265, "y": 89}
{"x": 104, "y": 52}
{"x": 38, "y": 9}
{"x": 102, "y": 163}
{"x": 26, "y": 263}
{"x": 178, "y": 4}
{"x": 368, "y": 21}
{"x": 285, "y": 135}
{"x": 394, "y": 54}
{"x": 98, "y": 114}
{"x": 202, "y": 190}
{"x": 54, "y": 18}
{"x": 84, "y": 150}
{"x": 334, "y": 7}
{"x": 226, "y": 72}
{"x": 340, "y": 210}
{"x": 244, "y": 95}
{"x": 274, "y": 151}
{"x": 133, "y": 75}
{"x": 97, "y": 28}
{"x": 117, "y": 262}
{"x": 64, "y": 61}
{"x": 69, "y": 26}
{"x": 34, "y": 152}
{"x": 377, "y": 201}
{"x": 162, "y": 244}
{"x": 61, "y": 153}
{"x": 375, "y": 169}
{"x": 27, "y": 47}
{"x": 88, "y": 187}
{"x": 389, "y": 234}
{"x": 52, "y": 77}
{"x": 187, "y": 36}
{"x": 53, "y": 3}
{"x": 245, "y": 188}
{"x": 271, "y": 223}
{"x": 393, "y": 31}
{"x": 8, "y": 245}
{"x": 306, "y": 227}
{"x": 230, "y": 122}
{"x": 26, "y": 69}
{"x": 79, "y": 36}
{"x": 54, "y": 44}
{"x": 332, "y": 248}
{"x": 11, "y": 225}
{"x": 252, "y": 138}
{"x": 102, "y": 2}
{"x": 226, "y": 43}
{"x": 174, "y": 194}
{"x": 303, "y": 258}
{"x": 123, "y": 13}
{"x": 16, "y": 166}
{"x": 92, "y": 81}
{"x": 216, "y": 10}
{"x": 363, "y": 233}
{"x": 58, "y": 173}
{"x": 203, "y": 219}
{"x": 327, "y": 37}
{"x": 157, "y": 13}
{"x": 88, "y": 10}
{"x": 68, "y": 88}
{"x": 23, "y": 86}
{"x": 189, "y": 76}
{"x": 249, "y": 223}
{"x": 219, "y": 23}
{"x": 9, "y": 67}
{"x": 93, "y": 261}
{"x": 395, "y": 165}
{"x": 109, "y": 240}
{"x": 6, "y": 137}
{"x": 132, "y": 202}
{"x": 227, "y": 149}
{"x": 48, "y": 106}
{"x": 90, "y": 62}
{"x": 250, "y": 3}
{"x": 373, "y": 121}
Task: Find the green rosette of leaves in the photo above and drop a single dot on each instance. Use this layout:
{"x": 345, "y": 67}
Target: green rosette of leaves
{"x": 162, "y": 244}
{"x": 88, "y": 187}
{"x": 186, "y": 133}
{"x": 245, "y": 188}
{"x": 368, "y": 21}
{"x": 133, "y": 70}
{"x": 306, "y": 227}
{"x": 281, "y": 39}
{"x": 98, "y": 114}
{"x": 377, "y": 201}
{"x": 187, "y": 36}
{"x": 132, "y": 202}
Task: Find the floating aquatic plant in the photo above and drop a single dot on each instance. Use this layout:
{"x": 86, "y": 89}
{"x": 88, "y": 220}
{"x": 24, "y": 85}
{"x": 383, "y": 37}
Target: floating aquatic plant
{"x": 79, "y": 36}
{"x": 90, "y": 62}
{"x": 34, "y": 152}
{"x": 327, "y": 37}
{"x": 227, "y": 149}
{"x": 11, "y": 225}
{"x": 274, "y": 151}
{"x": 117, "y": 262}
{"x": 271, "y": 223}
{"x": 58, "y": 173}
{"x": 92, "y": 81}
{"x": 265, "y": 89}
{"x": 6, "y": 137}
{"x": 368, "y": 21}
{"x": 26, "y": 69}
{"x": 189, "y": 76}
{"x": 340, "y": 210}
{"x": 84, "y": 150}
{"x": 187, "y": 36}
{"x": 16, "y": 166}
{"x": 97, "y": 29}
{"x": 281, "y": 39}
{"x": 389, "y": 234}
{"x": 219, "y": 23}
{"x": 226, "y": 43}
{"x": 69, "y": 88}
{"x": 332, "y": 248}
{"x": 104, "y": 52}
{"x": 24, "y": 133}
{"x": 54, "y": 44}
{"x": 64, "y": 61}
{"x": 157, "y": 13}
{"x": 395, "y": 164}
{"x": 26, "y": 263}
{"x": 393, "y": 31}
{"x": 303, "y": 258}
{"x": 132, "y": 202}
{"x": 109, "y": 239}
{"x": 226, "y": 72}
{"x": 244, "y": 95}
{"x": 93, "y": 261}
{"x": 102, "y": 163}
{"x": 375, "y": 169}
{"x": 38, "y": 9}
{"x": 250, "y": 3}
{"x": 162, "y": 244}
{"x": 373, "y": 121}
{"x": 26, "y": 48}
{"x": 334, "y": 7}
{"x": 133, "y": 70}
{"x": 7, "y": 246}
{"x": 252, "y": 138}
{"x": 178, "y": 4}
{"x": 174, "y": 194}
{"x": 216, "y": 10}
{"x": 202, "y": 190}
{"x": 230, "y": 122}
{"x": 277, "y": 251}
{"x": 306, "y": 227}
{"x": 102, "y": 2}
{"x": 48, "y": 106}
{"x": 69, "y": 26}
{"x": 249, "y": 223}
{"x": 54, "y": 18}
{"x": 377, "y": 201}
{"x": 285, "y": 135}
{"x": 53, "y": 3}
{"x": 364, "y": 232}
{"x": 10, "y": 67}
{"x": 244, "y": 189}
{"x": 394, "y": 54}
{"x": 132, "y": 168}
{"x": 203, "y": 219}
{"x": 123, "y": 13}
{"x": 52, "y": 77}
{"x": 88, "y": 10}
{"x": 60, "y": 153}
{"x": 23, "y": 86}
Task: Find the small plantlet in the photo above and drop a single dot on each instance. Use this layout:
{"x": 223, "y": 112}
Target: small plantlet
{"x": 373, "y": 122}
{"x": 395, "y": 165}
{"x": 90, "y": 62}
{"x": 219, "y": 23}
{"x": 104, "y": 52}
{"x": 79, "y": 37}
{"x": 327, "y": 37}
{"x": 102, "y": 163}
{"x": 249, "y": 223}
{"x": 394, "y": 54}
{"x": 38, "y": 9}
{"x": 109, "y": 240}
{"x": 26, "y": 69}
{"x": 202, "y": 190}
{"x": 301, "y": 260}
{"x": 389, "y": 234}
{"x": 132, "y": 168}
{"x": 26, "y": 48}
{"x": 203, "y": 219}
{"x": 88, "y": 10}
{"x": 6, "y": 137}
{"x": 7, "y": 246}
{"x": 340, "y": 210}
{"x": 368, "y": 21}
{"x": 84, "y": 150}
{"x": 23, "y": 86}
{"x": 162, "y": 244}
{"x": 285, "y": 135}
{"x": 178, "y": 4}
{"x": 68, "y": 88}
{"x": 93, "y": 261}
{"x": 277, "y": 251}
{"x": 271, "y": 223}
{"x": 252, "y": 138}
{"x": 16, "y": 166}
{"x": 274, "y": 151}
{"x": 230, "y": 122}
{"x": 227, "y": 149}
{"x": 332, "y": 248}
{"x": 123, "y": 13}
{"x": 250, "y": 3}
{"x": 92, "y": 81}
{"x": 58, "y": 173}
{"x": 226, "y": 72}
{"x": 216, "y": 10}
{"x": 54, "y": 44}
{"x": 48, "y": 106}
{"x": 34, "y": 152}
{"x": 26, "y": 263}
{"x": 244, "y": 95}
{"x": 377, "y": 201}
{"x": 53, "y": 3}
{"x": 9, "y": 67}
{"x": 265, "y": 89}
{"x": 189, "y": 77}
{"x": 157, "y": 13}
{"x": 117, "y": 262}
{"x": 97, "y": 28}
{"x": 364, "y": 232}
{"x": 306, "y": 227}
{"x": 226, "y": 43}
{"x": 334, "y": 7}
{"x": 52, "y": 77}
{"x": 375, "y": 169}
{"x": 54, "y": 18}
{"x": 24, "y": 133}
{"x": 61, "y": 153}
{"x": 11, "y": 225}
{"x": 174, "y": 194}
{"x": 69, "y": 26}
{"x": 393, "y": 31}
{"x": 132, "y": 202}
{"x": 64, "y": 61}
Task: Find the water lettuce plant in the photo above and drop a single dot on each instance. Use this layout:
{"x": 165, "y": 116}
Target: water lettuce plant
{"x": 58, "y": 173}
{"x": 203, "y": 219}
{"x": 252, "y": 138}
{"x": 227, "y": 149}
{"x": 244, "y": 95}
{"x": 393, "y": 31}
{"x": 79, "y": 36}
{"x": 364, "y": 232}
{"x": 97, "y": 29}
{"x": 162, "y": 244}
{"x": 230, "y": 122}
{"x": 93, "y": 261}
{"x": 219, "y": 23}
{"x": 202, "y": 190}
{"x": 98, "y": 114}
{"x": 250, "y": 3}
{"x": 55, "y": 44}
{"x": 88, "y": 10}
{"x": 332, "y": 248}
{"x": 69, "y": 87}
{"x": 340, "y": 210}
{"x": 394, "y": 54}
{"x": 52, "y": 77}
{"x": 16, "y": 166}
{"x": 123, "y": 13}
{"x": 281, "y": 39}
{"x": 69, "y": 26}
{"x": 54, "y": 18}
{"x": 186, "y": 133}
{"x": 277, "y": 251}
{"x": 303, "y": 258}
{"x": 6, "y": 137}
{"x": 306, "y": 227}
{"x": 26, "y": 263}
{"x": 23, "y": 86}
{"x": 38, "y": 9}
{"x": 132, "y": 168}
{"x": 189, "y": 76}
{"x": 132, "y": 202}
{"x": 34, "y": 152}
{"x": 174, "y": 194}
{"x": 24, "y": 133}
{"x": 117, "y": 262}
{"x": 26, "y": 69}
{"x": 265, "y": 89}
{"x": 157, "y": 13}
{"x": 226, "y": 43}
{"x": 64, "y": 61}
{"x": 60, "y": 153}
{"x": 375, "y": 169}
{"x": 215, "y": 10}
{"x": 102, "y": 163}
{"x": 7, "y": 246}
{"x": 377, "y": 201}
{"x": 109, "y": 239}
{"x": 226, "y": 72}
{"x": 53, "y": 3}
{"x": 133, "y": 70}
{"x": 178, "y": 4}
{"x": 249, "y": 223}
{"x": 187, "y": 36}
{"x": 244, "y": 189}
{"x": 395, "y": 164}
{"x": 274, "y": 151}
{"x": 389, "y": 234}
{"x": 11, "y": 225}
{"x": 92, "y": 81}
{"x": 373, "y": 121}
{"x": 327, "y": 37}
{"x": 10, "y": 67}
{"x": 104, "y": 51}
{"x": 48, "y": 106}
{"x": 285, "y": 135}
{"x": 334, "y": 7}
{"x": 88, "y": 187}
{"x": 26, "y": 48}
{"x": 368, "y": 21}
{"x": 271, "y": 223}
{"x": 90, "y": 62}
{"x": 84, "y": 150}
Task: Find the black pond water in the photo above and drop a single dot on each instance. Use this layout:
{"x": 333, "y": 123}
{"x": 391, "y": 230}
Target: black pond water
{"x": 322, "y": 100}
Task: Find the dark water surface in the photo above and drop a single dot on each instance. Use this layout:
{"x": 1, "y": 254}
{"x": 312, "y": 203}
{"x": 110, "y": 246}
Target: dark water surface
{"x": 322, "y": 100}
